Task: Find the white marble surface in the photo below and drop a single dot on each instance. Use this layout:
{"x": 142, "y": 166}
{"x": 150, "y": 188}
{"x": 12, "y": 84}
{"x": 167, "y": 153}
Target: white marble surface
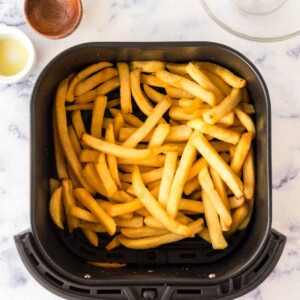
{"x": 151, "y": 20}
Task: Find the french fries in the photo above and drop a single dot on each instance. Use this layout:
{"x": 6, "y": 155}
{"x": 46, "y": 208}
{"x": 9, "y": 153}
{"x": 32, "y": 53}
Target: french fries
{"x": 186, "y": 151}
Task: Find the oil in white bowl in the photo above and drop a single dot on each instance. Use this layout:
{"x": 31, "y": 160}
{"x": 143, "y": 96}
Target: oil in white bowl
{"x": 13, "y": 56}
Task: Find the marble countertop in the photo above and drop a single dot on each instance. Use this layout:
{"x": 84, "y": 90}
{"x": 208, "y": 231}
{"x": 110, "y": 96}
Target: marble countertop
{"x": 151, "y": 20}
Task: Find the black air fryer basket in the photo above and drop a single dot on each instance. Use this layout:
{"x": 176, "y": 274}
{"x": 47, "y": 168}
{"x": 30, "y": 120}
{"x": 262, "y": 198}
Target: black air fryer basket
{"x": 189, "y": 269}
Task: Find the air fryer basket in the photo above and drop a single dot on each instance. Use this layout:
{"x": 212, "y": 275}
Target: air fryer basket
{"x": 187, "y": 270}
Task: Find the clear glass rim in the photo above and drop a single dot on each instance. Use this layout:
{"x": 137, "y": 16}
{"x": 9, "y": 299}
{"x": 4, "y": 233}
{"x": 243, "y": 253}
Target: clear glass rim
{"x": 243, "y": 35}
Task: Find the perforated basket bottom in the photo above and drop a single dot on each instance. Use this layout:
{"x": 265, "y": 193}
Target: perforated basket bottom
{"x": 188, "y": 251}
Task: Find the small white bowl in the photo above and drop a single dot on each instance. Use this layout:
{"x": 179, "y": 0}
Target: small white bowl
{"x": 11, "y": 32}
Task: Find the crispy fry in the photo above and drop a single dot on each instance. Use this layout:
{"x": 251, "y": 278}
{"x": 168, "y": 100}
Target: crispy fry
{"x": 159, "y": 135}
{"x": 53, "y": 185}
{"x": 227, "y": 105}
{"x": 125, "y": 92}
{"x": 155, "y": 241}
{"x": 222, "y": 134}
{"x": 179, "y": 69}
{"x": 235, "y": 203}
{"x": 91, "y": 236}
{"x": 247, "y": 108}
{"x": 181, "y": 174}
{"x": 249, "y": 175}
{"x": 74, "y": 140}
{"x": 111, "y": 160}
{"x": 101, "y": 90}
{"x": 191, "y": 186}
{"x": 83, "y": 106}
{"x": 149, "y": 124}
{"x": 88, "y": 201}
{"x": 151, "y": 80}
{"x": 152, "y": 94}
{"x": 191, "y": 206}
{"x": 204, "y": 234}
{"x": 94, "y": 80}
{"x": 145, "y": 231}
{"x": 147, "y": 177}
{"x": 98, "y": 115}
{"x": 78, "y": 123}
{"x": 225, "y": 74}
{"x": 135, "y": 222}
{"x": 75, "y": 182}
{"x": 120, "y": 209}
{"x": 152, "y": 222}
{"x": 90, "y": 226}
{"x": 245, "y": 120}
{"x": 68, "y": 203}
{"x": 55, "y": 207}
{"x": 187, "y": 85}
{"x": 247, "y": 219}
{"x": 155, "y": 208}
{"x": 105, "y": 176}
{"x": 204, "y": 81}
{"x": 241, "y": 152}
{"x": 218, "y": 163}
{"x": 156, "y": 161}
{"x": 87, "y": 155}
{"x": 238, "y": 216}
{"x": 214, "y": 228}
{"x": 141, "y": 100}
{"x": 118, "y": 123}
{"x": 149, "y": 66}
{"x": 114, "y": 243}
{"x": 167, "y": 177}
{"x": 128, "y": 118}
{"x": 83, "y": 74}
{"x": 208, "y": 186}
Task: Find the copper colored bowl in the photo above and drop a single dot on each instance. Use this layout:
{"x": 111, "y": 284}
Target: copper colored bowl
{"x": 54, "y": 19}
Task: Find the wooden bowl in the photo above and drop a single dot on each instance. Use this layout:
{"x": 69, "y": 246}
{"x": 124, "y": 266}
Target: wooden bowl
{"x": 54, "y": 19}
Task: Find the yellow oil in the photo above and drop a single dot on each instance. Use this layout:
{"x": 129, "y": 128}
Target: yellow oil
{"x": 13, "y": 56}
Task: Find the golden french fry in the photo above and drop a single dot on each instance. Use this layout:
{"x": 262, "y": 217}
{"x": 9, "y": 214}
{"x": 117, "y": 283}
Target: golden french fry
{"x": 167, "y": 177}
{"x": 159, "y": 135}
{"x": 245, "y": 120}
{"x": 149, "y": 124}
{"x": 241, "y": 152}
{"x": 61, "y": 167}
{"x": 196, "y": 167}
{"x": 191, "y": 206}
{"x": 246, "y": 221}
{"x": 122, "y": 152}
{"x": 218, "y": 82}
{"x": 222, "y": 134}
{"x": 83, "y": 74}
{"x": 196, "y": 195}
{"x": 87, "y": 155}
{"x": 125, "y": 92}
{"x": 102, "y": 90}
{"x": 191, "y": 186}
{"x": 91, "y": 236}
{"x": 114, "y": 243}
{"x": 129, "y": 169}
{"x": 126, "y": 216}
{"x": 247, "y": 108}
{"x": 176, "y": 93}
{"x": 192, "y": 106}
{"x": 180, "y": 133}
{"x": 204, "y": 234}
{"x": 106, "y": 122}
{"x": 214, "y": 228}
{"x": 141, "y": 100}
{"x": 149, "y": 66}
{"x": 147, "y": 177}
{"x": 55, "y": 207}
{"x": 227, "y": 105}
{"x": 218, "y": 163}
{"x": 187, "y": 85}
{"x": 68, "y": 203}
{"x": 238, "y": 216}
{"x": 145, "y": 231}
{"x": 83, "y": 106}
{"x": 75, "y": 182}
{"x": 155, "y": 241}
{"x": 88, "y": 225}
{"x": 53, "y": 185}
{"x": 130, "y": 119}
{"x": 98, "y": 115}
{"x": 225, "y": 74}
{"x": 105, "y": 176}
{"x": 88, "y": 201}
{"x": 235, "y": 203}
{"x": 249, "y": 175}
{"x": 153, "y": 223}
{"x": 123, "y": 208}
{"x": 118, "y": 123}
{"x": 221, "y": 190}
{"x": 179, "y": 69}
{"x": 155, "y": 208}
{"x": 135, "y": 222}
{"x": 94, "y": 80}
{"x": 204, "y": 81}
{"x": 112, "y": 160}
{"x": 113, "y": 265}
{"x": 151, "y": 80}
{"x": 156, "y": 161}
{"x": 74, "y": 140}
{"x": 208, "y": 186}
{"x": 180, "y": 177}
{"x": 152, "y": 94}
{"x": 78, "y": 123}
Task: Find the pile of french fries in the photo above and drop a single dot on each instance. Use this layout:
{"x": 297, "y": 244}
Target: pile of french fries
{"x": 187, "y": 170}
